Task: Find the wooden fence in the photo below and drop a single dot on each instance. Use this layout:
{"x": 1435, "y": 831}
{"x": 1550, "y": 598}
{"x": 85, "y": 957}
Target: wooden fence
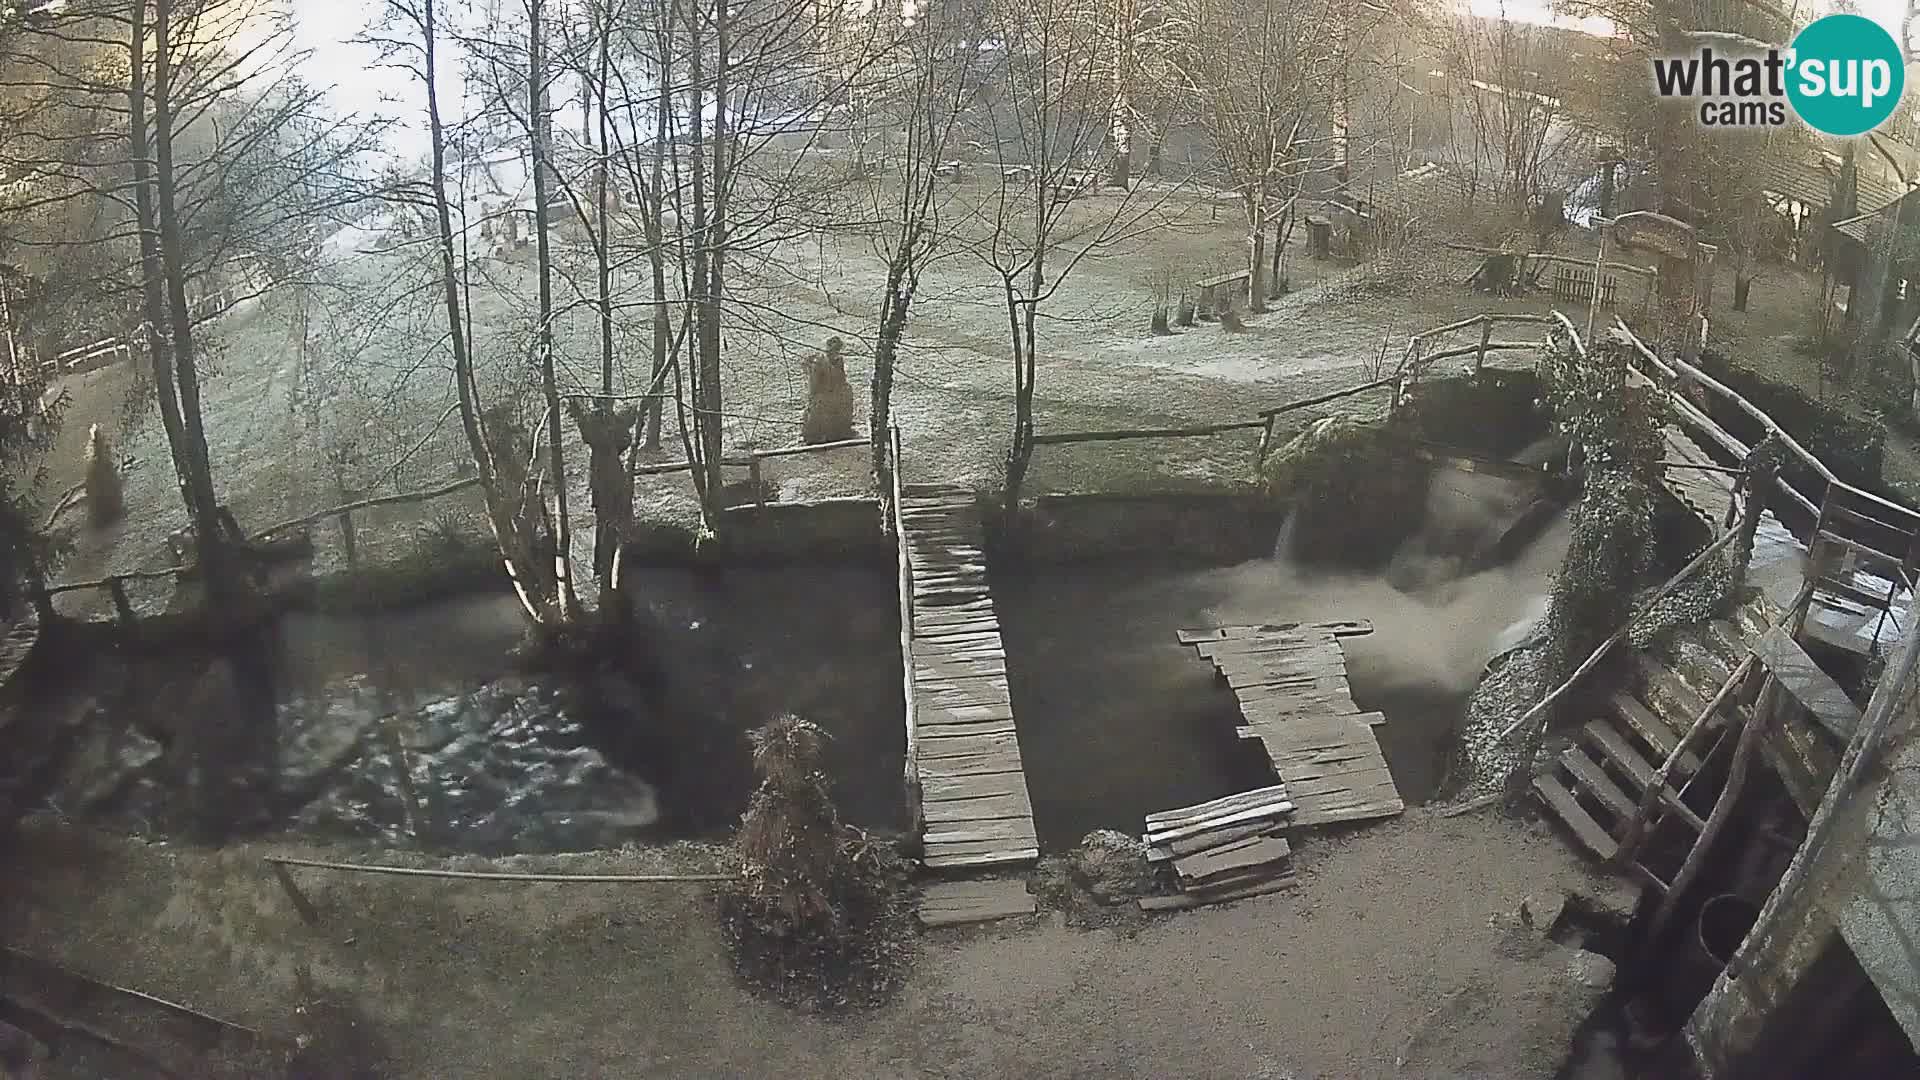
{"x": 752, "y": 461}
{"x": 1414, "y": 362}
{"x": 115, "y": 585}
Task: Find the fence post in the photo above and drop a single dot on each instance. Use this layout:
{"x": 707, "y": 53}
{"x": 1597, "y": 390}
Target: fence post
{"x": 1486, "y": 336}
{"x": 753, "y": 477}
{"x": 347, "y": 537}
{"x": 118, "y": 588}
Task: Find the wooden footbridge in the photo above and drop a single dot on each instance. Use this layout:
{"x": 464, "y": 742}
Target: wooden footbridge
{"x": 1291, "y": 682}
{"x": 963, "y": 756}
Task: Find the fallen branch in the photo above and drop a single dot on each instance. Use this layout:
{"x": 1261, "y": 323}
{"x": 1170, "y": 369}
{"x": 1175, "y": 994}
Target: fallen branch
{"x": 68, "y": 500}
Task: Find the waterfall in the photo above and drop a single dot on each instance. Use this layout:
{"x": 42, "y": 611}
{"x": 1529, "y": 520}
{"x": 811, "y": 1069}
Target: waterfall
{"x": 1283, "y": 544}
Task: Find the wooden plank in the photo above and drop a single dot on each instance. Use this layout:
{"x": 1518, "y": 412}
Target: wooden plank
{"x": 1232, "y": 858}
{"x": 1199, "y": 842}
{"x": 1293, "y": 641}
{"x": 1325, "y": 684}
{"x": 1649, "y": 727}
{"x": 1188, "y": 815}
{"x": 965, "y": 746}
{"x": 1565, "y": 807}
{"x": 1597, "y": 783}
{"x": 930, "y": 732}
{"x": 1336, "y": 627}
{"x": 1279, "y": 708}
{"x": 929, "y": 714}
{"x": 1015, "y": 856}
{"x": 1809, "y": 685}
{"x": 1184, "y": 901}
{"x": 1360, "y": 776}
{"x": 1617, "y": 750}
{"x": 984, "y": 808}
{"x": 1015, "y": 829}
{"x": 943, "y": 667}
{"x": 972, "y": 786}
{"x": 954, "y": 903}
{"x": 976, "y": 764}
{"x": 1271, "y": 811}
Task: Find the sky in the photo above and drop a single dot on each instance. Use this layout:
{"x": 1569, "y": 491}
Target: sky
{"x": 358, "y": 84}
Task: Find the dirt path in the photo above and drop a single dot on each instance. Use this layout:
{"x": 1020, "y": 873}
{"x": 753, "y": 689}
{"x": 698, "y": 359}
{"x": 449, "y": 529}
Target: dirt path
{"x": 1398, "y": 942}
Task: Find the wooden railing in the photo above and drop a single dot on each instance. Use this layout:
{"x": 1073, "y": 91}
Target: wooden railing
{"x": 1414, "y": 361}
{"x": 115, "y": 585}
{"x": 1876, "y": 525}
{"x": 904, "y": 564}
{"x": 751, "y": 461}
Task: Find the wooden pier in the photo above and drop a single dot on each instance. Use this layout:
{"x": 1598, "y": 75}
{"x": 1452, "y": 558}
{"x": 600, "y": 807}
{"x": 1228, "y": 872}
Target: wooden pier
{"x": 1291, "y": 682}
{"x": 961, "y": 745}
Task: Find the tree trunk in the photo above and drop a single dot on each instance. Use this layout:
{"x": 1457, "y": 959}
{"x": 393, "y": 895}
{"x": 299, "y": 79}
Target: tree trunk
{"x": 608, "y": 522}
{"x": 203, "y": 505}
{"x": 556, "y": 460}
{"x": 153, "y": 303}
{"x": 656, "y": 233}
{"x": 1022, "y": 317}
{"x": 893, "y": 320}
{"x": 717, "y": 235}
{"x": 1741, "y": 283}
{"x": 1257, "y": 264}
{"x": 508, "y": 532}
{"x": 706, "y": 422}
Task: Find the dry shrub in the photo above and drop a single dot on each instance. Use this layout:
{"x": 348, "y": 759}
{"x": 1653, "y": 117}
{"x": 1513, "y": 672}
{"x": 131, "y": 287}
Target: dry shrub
{"x": 818, "y": 917}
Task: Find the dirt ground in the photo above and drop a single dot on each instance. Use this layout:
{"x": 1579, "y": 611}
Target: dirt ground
{"x": 1398, "y": 944}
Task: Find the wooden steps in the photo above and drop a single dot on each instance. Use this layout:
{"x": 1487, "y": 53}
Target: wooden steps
{"x": 1594, "y": 785}
{"x": 1226, "y": 849}
{"x": 975, "y": 810}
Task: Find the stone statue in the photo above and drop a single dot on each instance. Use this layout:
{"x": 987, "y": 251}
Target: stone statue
{"x": 106, "y": 495}
{"x": 829, "y": 414}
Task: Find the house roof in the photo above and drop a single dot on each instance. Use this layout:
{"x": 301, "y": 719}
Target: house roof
{"x": 1859, "y": 227}
{"x": 1810, "y": 181}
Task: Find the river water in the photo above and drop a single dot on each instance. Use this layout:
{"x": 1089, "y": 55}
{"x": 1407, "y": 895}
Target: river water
{"x": 401, "y": 729}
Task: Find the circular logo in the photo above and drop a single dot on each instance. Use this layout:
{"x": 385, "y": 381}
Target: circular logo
{"x": 1846, "y": 75}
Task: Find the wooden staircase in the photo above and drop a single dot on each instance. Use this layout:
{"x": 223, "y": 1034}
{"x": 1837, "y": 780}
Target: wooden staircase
{"x": 1595, "y": 783}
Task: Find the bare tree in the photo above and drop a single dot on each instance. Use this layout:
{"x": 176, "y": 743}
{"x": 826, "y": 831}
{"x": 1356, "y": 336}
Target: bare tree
{"x": 411, "y": 36}
{"x": 1049, "y": 128}
{"x": 929, "y": 107}
{"x": 1256, "y": 70}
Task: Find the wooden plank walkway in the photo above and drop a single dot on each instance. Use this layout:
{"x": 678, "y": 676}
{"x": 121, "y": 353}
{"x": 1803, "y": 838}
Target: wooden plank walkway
{"x": 975, "y": 811}
{"x": 1291, "y": 682}
{"x": 954, "y": 903}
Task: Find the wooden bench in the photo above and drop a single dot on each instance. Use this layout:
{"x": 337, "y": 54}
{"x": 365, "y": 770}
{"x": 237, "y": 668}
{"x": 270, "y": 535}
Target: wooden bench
{"x": 1221, "y": 292}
